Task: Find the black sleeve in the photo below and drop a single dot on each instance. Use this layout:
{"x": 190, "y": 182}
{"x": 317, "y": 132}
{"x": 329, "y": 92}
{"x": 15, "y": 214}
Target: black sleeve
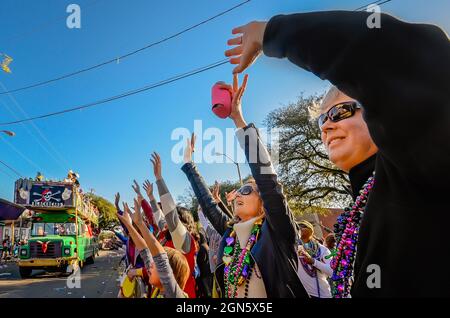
{"x": 210, "y": 208}
{"x": 224, "y": 209}
{"x": 399, "y": 72}
{"x": 277, "y": 212}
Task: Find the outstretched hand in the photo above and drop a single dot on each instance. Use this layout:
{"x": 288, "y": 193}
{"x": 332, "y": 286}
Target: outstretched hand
{"x": 248, "y": 46}
{"x": 237, "y": 92}
{"x": 137, "y": 189}
{"x": 148, "y": 188}
{"x": 117, "y": 201}
{"x": 216, "y": 192}
{"x": 156, "y": 161}
{"x": 125, "y": 218}
{"x": 230, "y": 196}
{"x": 137, "y": 215}
{"x": 190, "y": 148}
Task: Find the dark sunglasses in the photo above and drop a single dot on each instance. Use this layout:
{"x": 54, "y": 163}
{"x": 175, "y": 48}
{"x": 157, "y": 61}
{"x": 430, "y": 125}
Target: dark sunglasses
{"x": 245, "y": 190}
{"x": 339, "y": 112}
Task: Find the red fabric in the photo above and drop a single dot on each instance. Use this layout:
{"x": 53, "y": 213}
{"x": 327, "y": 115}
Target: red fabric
{"x": 131, "y": 252}
{"x": 190, "y": 284}
{"x": 149, "y": 214}
{"x": 89, "y": 229}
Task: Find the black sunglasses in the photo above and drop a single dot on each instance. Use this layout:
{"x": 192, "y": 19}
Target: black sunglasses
{"x": 339, "y": 112}
{"x": 245, "y": 190}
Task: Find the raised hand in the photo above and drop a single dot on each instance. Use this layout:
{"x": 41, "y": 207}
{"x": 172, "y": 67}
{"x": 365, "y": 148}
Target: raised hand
{"x": 137, "y": 215}
{"x": 236, "y": 106}
{"x": 116, "y": 201}
{"x": 216, "y": 192}
{"x": 156, "y": 161}
{"x": 148, "y": 188}
{"x": 230, "y": 196}
{"x": 126, "y": 217}
{"x": 137, "y": 189}
{"x": 190, "y": 148}
{"x": 248, "y": 46}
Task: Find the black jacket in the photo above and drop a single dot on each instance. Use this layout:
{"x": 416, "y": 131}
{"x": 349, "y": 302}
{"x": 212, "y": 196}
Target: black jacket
{"x": 401, "y": 75}
{"x": 275, "y": 251}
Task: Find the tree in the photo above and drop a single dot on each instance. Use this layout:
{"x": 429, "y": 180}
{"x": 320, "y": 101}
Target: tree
{"x": 107, "y": 212}
{"x": 311, "y": 182}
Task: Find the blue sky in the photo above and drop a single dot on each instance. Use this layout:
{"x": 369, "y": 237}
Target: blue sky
{"x": 109, "y": 145}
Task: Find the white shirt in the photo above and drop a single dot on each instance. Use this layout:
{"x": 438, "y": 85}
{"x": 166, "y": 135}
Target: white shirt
{"x": 256, "y": 288}
{"x": 324, "y": 271}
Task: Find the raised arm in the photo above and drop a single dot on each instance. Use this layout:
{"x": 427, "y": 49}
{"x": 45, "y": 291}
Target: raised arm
{"x": 125, "y": 218}
{"x": 204, "y": 196}
{"x": 148, "y": 211}
{"x": 277, "y": 211}
{"x": 158, "y": 256}
{"x": 398, "y": 72}
{"x": 158, "y": 216}
{"x": 180, "y": 236}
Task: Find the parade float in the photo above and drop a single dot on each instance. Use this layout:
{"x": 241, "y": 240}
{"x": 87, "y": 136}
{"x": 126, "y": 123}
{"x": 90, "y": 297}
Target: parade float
{"x": 63, "y": 220}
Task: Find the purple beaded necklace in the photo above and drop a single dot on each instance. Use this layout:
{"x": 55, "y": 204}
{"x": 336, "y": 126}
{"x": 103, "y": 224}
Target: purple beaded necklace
{"x": 346, "y": 231}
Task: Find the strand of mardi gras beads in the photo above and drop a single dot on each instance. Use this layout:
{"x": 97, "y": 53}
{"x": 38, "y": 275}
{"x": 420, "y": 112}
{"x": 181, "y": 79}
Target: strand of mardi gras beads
{"x": 347, "y": 231}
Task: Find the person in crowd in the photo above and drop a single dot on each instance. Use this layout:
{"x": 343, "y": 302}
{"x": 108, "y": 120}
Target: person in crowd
{"x": 257, "y": 254}
{"x": 148, "y": 211}
{"x": 330, "y": 242}
{"x": 168, "y": 268}
{"x": 134, "y": 261}
{"x": 158, "y": 216}
{"x": 182, "y": 232}
{"x": 385, "y": 122}
{"x": 39, "y": 177}
{"x": 314, "y": 268}
{"x": 213, "y": 237}
{"x": 5, "y": 248}
{"x": 204, "y": 278}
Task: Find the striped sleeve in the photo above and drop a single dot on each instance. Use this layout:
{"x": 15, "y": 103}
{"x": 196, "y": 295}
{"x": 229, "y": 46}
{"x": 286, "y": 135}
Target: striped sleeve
{"x": 180, "y": 236}
{"x": 158, "y": 216}
{"x": 167, "y": 278}
{"x": 146, "y": 258}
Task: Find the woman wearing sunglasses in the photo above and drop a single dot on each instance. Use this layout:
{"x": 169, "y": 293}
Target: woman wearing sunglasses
{"x": 257, "y": 256}
{"x": 396, "y": 149}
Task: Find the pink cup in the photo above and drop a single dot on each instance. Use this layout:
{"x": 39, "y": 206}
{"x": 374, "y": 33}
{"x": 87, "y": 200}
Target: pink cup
{"x": 221, "y": 101}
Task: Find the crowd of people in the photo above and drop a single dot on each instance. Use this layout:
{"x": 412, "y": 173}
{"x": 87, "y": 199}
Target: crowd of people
{"x": 9, "y": 250}
{"x": 384, "y": 121}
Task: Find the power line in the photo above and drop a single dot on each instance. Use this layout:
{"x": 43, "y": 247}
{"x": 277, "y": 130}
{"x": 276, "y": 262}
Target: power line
{"x": 31, "y": 134}
{"x": 132, "y": 92}
{"x": 11, "y": 168}
{"x": 125, "y": 94}
{"x": 7, "y": 173}
{"x": 21, "y": 154}
{"x": 114, "y": 60}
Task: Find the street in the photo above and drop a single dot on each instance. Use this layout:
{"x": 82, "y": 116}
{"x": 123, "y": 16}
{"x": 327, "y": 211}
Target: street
{"x": 98, "y": 280}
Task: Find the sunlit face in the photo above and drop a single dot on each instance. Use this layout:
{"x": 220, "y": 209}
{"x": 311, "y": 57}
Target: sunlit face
{"x": 248, "y": 206}
{"x": 348, "y": 141}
